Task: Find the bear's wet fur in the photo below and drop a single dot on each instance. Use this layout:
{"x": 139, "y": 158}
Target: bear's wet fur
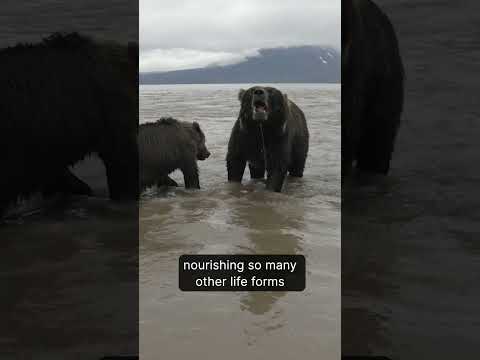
{"x": 167, "y": 145}
{"x": 372, "y": 87}
{"x": 63, "y": 99}
{"x": 270, "y": 128}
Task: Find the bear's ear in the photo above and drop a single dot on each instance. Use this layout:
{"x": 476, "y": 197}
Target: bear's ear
{"x": 196, "y": 126}
{"x": 240, "y": 94}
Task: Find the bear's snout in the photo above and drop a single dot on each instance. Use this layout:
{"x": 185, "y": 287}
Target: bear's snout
{"x": 203, "y": 155}
{"x": 260, "y": 104}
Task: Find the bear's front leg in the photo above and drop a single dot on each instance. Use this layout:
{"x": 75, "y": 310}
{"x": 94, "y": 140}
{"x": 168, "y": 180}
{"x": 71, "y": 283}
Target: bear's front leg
{"x": 278, "y": 160}
{"x": 122, "y": 171}
{"x": 235, "y": 168}
{"x": 75, "y": 185}
{"x": 276, "y": 178}
{"x": 190, "y": 175}
{"x": 257, "y": 169}
{"x": 166, "y": 181}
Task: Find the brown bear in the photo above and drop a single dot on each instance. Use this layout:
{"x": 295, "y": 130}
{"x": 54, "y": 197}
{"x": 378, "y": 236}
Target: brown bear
{"x": 63, "y": 99}
{"x": 270, "y": 134}
{"x": 167, "y": 145}
{"x": 372, "y": 87}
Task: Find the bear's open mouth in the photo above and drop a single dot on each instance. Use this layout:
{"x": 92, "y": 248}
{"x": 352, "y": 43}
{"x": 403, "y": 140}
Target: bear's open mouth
{"x": 260, "y": 110}
{"x": 260, "y": 106}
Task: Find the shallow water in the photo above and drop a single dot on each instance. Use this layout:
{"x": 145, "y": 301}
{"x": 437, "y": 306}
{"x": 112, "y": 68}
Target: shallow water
{"x": 69, "y": 274}
{"x": 410, "y": 250}
{"x": 223, "y": 218}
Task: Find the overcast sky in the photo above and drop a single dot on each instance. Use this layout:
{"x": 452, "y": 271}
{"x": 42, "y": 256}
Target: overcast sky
{"x": 183, "y": 34}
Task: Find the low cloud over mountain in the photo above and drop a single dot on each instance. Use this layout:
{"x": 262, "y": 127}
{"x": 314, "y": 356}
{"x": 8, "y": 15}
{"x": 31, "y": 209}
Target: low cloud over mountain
{"x": 302, "y": 64}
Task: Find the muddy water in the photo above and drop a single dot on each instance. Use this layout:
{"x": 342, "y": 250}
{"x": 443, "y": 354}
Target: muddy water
{"x": 222, "y": 218}
{"x": 410, "y": 249}
{"x": 69, "y": 281}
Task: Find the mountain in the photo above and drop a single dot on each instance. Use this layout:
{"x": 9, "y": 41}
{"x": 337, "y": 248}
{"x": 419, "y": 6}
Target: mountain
{"x": 302, "y": 64}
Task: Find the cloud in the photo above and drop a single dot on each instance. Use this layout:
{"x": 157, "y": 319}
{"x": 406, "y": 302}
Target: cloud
{"x": 179, "y": 59}
{"x": 181, "y": 34}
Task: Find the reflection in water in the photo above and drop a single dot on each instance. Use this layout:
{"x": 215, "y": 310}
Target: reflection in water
{"x": 366, "y": 263}
{"x": 270, "y": 232}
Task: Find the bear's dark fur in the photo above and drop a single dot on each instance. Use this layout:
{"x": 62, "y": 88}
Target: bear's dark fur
{"x": 372, "y": 87}
{"x": 270, "y": 128}
{"x": 61, "y": 100}
{"x": 66, "y": 183}
{"x": 167, "y": 145}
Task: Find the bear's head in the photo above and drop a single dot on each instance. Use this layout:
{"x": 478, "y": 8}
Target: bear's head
{"x": 263, "y": 105}
{"x": 199, "y": 139}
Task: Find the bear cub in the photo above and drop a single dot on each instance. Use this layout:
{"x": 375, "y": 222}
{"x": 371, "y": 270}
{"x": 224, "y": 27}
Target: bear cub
{"x": 167, "y": 145}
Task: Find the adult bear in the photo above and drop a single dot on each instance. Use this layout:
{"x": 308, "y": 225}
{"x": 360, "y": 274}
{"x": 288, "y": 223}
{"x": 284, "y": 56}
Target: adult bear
{"x": 167, "y": 145}
{"x": 63, "y": 99}
{"x": 270, "y": 128}
{"x": 372, "y": 87}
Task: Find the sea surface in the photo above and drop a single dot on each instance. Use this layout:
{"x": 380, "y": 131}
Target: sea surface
{"x": 410, "y": 249}
{"x": 223, "y": 218}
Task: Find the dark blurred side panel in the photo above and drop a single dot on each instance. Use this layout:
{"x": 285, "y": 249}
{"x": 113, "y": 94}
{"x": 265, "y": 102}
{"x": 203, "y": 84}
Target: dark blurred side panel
{"x": 410, "y": 248}
{"x": 69, "y": 179}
